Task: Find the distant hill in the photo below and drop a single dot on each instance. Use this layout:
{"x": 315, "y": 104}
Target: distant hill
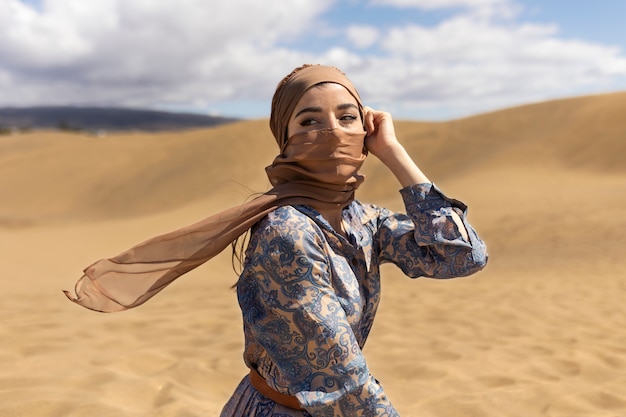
{"x": 56, "y": 176}
{"x": 102, "y": 119}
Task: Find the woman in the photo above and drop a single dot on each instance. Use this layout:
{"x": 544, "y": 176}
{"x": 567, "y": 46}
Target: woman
{"x": 310, "y": 284}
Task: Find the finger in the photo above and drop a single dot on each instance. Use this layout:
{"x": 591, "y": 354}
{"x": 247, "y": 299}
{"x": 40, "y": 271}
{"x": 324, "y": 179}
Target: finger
{"x": 369, "y": 120}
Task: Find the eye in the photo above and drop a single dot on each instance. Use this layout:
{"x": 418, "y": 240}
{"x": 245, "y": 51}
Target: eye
{"x": 308, "y": 122}
{"x": 348, "y": 118}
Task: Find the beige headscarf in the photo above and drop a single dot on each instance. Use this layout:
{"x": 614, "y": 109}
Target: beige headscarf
{"x": 319, "y": 166}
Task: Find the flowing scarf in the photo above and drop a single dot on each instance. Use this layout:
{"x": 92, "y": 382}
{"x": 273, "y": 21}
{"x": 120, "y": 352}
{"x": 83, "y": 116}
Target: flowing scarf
{"x": 318, "y": 167}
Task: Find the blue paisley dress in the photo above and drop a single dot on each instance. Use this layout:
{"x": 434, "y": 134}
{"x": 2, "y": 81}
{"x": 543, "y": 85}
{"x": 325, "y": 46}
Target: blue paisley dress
{"x": 309, "y": 296}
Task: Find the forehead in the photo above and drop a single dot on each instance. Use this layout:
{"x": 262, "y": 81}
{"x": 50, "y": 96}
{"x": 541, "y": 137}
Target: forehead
{"x": 326, "y": 94}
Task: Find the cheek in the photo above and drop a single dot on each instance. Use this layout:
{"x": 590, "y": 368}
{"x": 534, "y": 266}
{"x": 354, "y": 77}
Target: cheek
{"x": 292, "y": 128}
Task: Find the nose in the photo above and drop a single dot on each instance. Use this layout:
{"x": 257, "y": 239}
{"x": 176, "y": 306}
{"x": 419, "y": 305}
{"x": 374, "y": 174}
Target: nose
{"x": 332, "y": 122}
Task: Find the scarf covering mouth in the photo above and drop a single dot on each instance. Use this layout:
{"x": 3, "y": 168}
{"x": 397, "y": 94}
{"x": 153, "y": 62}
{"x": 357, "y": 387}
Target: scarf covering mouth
{"x": 318, "y": 167}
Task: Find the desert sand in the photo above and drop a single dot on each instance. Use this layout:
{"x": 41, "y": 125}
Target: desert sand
{"x": 540, "y": 332}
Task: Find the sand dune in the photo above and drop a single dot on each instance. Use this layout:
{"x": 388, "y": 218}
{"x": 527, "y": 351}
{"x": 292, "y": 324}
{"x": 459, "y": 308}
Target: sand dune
{"x": 74, "y": 176}
{"x": 540, "y": 332}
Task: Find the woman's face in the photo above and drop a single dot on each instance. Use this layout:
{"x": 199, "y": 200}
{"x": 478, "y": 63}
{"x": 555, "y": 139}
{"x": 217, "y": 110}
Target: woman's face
{"x": 325, "y": 106}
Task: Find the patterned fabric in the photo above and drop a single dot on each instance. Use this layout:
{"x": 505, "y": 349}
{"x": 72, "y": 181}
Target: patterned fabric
{"x": 309, "y": 296}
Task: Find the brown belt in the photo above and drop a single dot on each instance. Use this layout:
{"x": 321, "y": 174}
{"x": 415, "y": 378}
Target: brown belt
{"x": 260, "y": 385}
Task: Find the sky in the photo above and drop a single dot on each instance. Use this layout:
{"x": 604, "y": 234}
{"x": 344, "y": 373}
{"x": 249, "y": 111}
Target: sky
{"x": 418, "y": 59}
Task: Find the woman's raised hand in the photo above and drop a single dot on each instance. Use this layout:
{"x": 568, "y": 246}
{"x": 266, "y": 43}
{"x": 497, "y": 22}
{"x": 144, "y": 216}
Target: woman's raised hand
{"x": 381, "y": 142}
{"x": 381, "y": 135}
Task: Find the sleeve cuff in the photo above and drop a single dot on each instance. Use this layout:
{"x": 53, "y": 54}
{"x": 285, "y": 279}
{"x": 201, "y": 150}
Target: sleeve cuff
{"x": 427, "y": 196}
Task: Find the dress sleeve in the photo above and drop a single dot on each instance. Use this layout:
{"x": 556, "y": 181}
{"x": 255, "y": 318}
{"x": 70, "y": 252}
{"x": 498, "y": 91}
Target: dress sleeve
{"x": 293, "y": 312}
{"x": 427, "y": 241}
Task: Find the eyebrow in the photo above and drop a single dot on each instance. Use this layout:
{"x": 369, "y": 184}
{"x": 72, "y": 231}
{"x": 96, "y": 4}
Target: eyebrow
{"x": 343, "y": 106}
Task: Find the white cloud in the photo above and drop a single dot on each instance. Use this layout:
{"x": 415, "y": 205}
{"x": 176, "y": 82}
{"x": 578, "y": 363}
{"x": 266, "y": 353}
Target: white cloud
{"x": 140, "y": 52}
{"x": 468, "y": 63}
{"x": 439, "y": 4}
{"x": 194, "y": 54}
{"x": 362, "y": 36}
{"x": 485, "y": 8}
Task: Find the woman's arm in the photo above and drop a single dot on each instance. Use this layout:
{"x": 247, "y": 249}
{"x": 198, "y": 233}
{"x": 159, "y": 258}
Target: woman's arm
{"x": 382, "y": 142}
{"x": 434, "y": 238}
{"x": 427, "y": 241}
